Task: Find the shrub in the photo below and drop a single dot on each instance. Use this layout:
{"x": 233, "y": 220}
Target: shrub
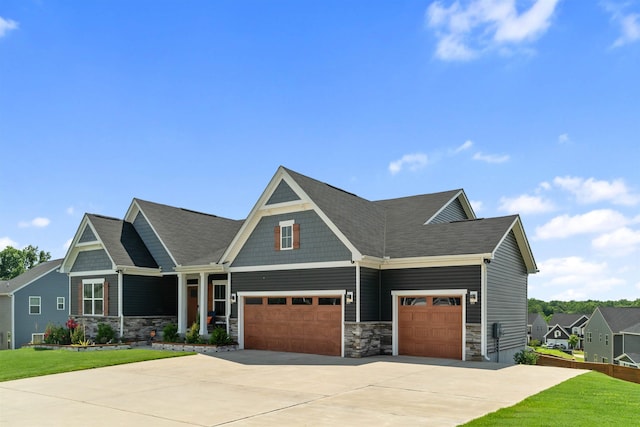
{"x": 193, "y": 334}
{"x": 105, "y": 333}
{"x": 57, "y": 335}
{"x": 534, "y": 343}
{"x": 219, "y": 336}
{"x": 170, "y": 332}
{"x": 77, "y": 336}
{"x": 526, "y": 357}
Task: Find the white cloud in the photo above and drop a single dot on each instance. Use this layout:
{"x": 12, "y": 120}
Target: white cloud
{"x": 6, "y": 241}
{"x": 70, "y": 210}
{"x": 629, "y": 23}
{"x": 526, "y": 204}
{"x": 592, "y": 191}
{"x": 620, "y": 242}
{"x": 38, "y": 222}
{"x": 466, "y": 29}
{"x": 7, "y": 25}
{"x": 564, "y": 138}
{"x": 412, "y": 161}
{"x": 596, "y": 221}
{"x": 491, "y": 158}
{"x": 476, "y": 205}
{"x": 467, "y": 144}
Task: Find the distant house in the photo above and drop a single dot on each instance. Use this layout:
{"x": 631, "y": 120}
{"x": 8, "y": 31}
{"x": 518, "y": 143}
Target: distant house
{"x": 557, "y": 335}
{"x": 571, "y": 323}
{"x": 536, "y": 327}
{"x": 30, "y": 301}
{"x": 611, "y": 333}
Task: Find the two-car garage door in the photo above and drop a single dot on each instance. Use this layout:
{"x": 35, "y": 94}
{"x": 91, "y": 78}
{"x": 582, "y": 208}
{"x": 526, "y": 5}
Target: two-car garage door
{"x": 309, "y": 324}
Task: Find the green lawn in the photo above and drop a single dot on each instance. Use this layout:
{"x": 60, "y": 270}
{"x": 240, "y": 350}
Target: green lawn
{"x": 558, "y": 353}
{"x": 28, "y": 362}
{"x": 591, "y": 399}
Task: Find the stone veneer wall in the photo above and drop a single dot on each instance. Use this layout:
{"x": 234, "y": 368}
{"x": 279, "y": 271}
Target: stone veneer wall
{"x": 367, "y": 339}
{"x": 136, "y": 328}
{"x": 473, "y": 346}
{"x": 233, "y": 329}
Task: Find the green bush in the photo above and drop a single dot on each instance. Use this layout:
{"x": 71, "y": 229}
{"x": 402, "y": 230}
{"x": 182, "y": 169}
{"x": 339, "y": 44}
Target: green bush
{"x": 526, "y": 357}
{"x": 57, "y": 335}
{"x": 105, "y": 334}
{"x": 534, "y": 343}
{"x": 170, "y": 332}
{"x": 219, "y": 336}
{"x": 193, "y": 334}
{"x": 77, "y": 335}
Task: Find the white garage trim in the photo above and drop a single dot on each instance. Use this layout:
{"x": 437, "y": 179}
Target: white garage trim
{"x": 453, "y": 292}
{"x": 249, "y": 294}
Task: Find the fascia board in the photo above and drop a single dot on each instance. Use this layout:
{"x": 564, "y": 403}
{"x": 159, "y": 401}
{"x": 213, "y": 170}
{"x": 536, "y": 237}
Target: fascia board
{"x": 139, "y": 271}
{"x": 523, "y": 245}
{"x": 205, "y": 268}
{"x": 435, "y": 261}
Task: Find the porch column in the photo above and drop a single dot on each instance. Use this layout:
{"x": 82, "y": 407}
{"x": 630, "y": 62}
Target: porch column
{"x": 182, "y": 303}
{"x": 203, "y": 288}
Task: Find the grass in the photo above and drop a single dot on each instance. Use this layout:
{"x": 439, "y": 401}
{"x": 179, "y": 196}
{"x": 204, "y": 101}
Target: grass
{"x": 29, "y": 362}
{"x": 591, "y": 399}
{"x": 558, "y": 353}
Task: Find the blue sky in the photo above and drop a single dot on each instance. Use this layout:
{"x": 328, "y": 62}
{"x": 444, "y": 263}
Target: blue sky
{"x": 533, "y": 107}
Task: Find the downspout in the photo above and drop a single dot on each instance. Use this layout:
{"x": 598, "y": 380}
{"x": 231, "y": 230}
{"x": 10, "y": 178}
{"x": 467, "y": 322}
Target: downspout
{"x": 483, "y": 309}
{"x": 120, "y": 299}
{"x": 357, "y": 292}
{"x": 12, "y": 342}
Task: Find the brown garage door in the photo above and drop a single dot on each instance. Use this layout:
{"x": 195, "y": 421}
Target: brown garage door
{"x": 296, "y": 324}
{"x": 430, "y": 326}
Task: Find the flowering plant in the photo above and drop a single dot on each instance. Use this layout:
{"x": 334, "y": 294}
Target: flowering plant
{"x": 71, "y": 324}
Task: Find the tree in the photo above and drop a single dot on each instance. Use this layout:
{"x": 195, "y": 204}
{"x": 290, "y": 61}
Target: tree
{"x": 14, "y": 262}
{"x": 573, "y": 341}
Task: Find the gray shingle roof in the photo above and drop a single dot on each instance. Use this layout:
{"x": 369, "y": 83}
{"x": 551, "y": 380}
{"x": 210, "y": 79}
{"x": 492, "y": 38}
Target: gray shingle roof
{"x": 531, "y": 317}
{"x": 635, "y": 329}
{"x": 192, "y": 238}
{"x": 565, "y": 319}
{"x": 122, "y": 242}
{"x": 28, "y": 276}
{"x": 620, "y": 318}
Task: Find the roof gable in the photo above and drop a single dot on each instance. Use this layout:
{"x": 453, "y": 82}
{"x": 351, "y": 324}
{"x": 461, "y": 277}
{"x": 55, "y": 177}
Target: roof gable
{"x": 551, "y": 332}
{"x": 29, "y": 276}
{"x": 619, "y": 318}
{"x": 568, "y": 320}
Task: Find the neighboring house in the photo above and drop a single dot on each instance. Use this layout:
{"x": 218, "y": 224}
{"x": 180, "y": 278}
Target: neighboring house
{"x": 29, "y": 302}
{"x": 572, "y": 323}
{"x": 557, "y": 335}
{"x": 536, "y": 327}
{"x": 630, "y": 347}
{"x": 320, "y": 270}
{"x": 612, "y": 332}
{"x": 146, "y": 270}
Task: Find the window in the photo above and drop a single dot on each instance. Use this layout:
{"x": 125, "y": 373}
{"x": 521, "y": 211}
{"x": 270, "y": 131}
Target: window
{"x": 302, "y": 301}
{"x": 287, "y": 235}
{"x": 34, "y": 305}
{"x": 556, "y": 334}
{"x": 329, "y": 301}
{"x": 60, "y": 303}
{"x": 446, "y": 300}
{"x": 220, "y": 299}
{"x": 277, "y": 301}
{"x": 588, "y": 336}
{"x": 600, "y": 337}
{"x": 37, "y": 338}
{"x": 253, "y": 301}
{"x": 93, "y": 297}
{"x": 606, "y": 339}
{"x": 413, "y": 301}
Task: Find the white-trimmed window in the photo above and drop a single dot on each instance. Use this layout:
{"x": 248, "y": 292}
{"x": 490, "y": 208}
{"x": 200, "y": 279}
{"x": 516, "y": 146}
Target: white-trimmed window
{"x": 37, "y": 338}
{"x": 287, "y": 235}
{"x": 60, "y": 303}
{"x": 220, "y": 298}
{"x": 556, "y": 334}
{"x": 93, "y": 297}
{"x": 35, "y": 305}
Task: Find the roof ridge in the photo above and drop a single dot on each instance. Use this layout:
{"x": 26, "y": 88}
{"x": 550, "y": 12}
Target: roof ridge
{"x": 105, "y": 217}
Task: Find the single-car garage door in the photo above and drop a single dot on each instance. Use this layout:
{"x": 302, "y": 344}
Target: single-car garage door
{"x": 430, "y": 326}
{"x": 311, "y": 324}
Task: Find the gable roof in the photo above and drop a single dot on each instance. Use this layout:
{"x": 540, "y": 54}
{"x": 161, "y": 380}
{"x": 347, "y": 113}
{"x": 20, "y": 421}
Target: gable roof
{"x": 619, "y": 318}
{"x": 34, "y": 273}
{"x": 635, "y": 329}
{"x": 531, "y": 317}
{"x": 566, "y": 319}
{"x": 629, "y": 357}
{"x": 190, "y": 237}
{"x": 564, "y": 334}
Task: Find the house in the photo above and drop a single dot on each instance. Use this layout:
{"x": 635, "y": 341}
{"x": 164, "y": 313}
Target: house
{"x": 558, "y": 336}
{"x": 313, "y": 269}
{"x": 536, "y": 327}
{"x": 147, "y": 270}
{"x": 571, "y": 323}
{"x": 31, "y": 301}
{"x": 612, "y": 332}
{"x": 320, "y": 270}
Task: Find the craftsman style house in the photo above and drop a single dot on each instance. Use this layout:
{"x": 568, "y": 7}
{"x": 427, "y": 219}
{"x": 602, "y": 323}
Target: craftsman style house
{"x": 612, "y": 335}
{"x": 313, "y": 269}
{"x": 563, "y": 325}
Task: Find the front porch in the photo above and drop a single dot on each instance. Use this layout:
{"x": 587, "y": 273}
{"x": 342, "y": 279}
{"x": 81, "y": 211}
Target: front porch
{"x": 203, "y": 298}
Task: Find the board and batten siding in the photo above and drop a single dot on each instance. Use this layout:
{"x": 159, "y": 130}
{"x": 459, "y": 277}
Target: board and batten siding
{"x": 317, "y": 242}
{"x": 153, "y": 243}
{"x": 432, "y": 278}
{"x": 76, "y": 293}
{"x": 282, "y": 193}
{"x": 453, "y": 212}
{"x": 507, "y": 300}
{"x": 92, "y": 261}
{"x": 290, "y": 281}
{"x": 149, "y": 296}
{"x": 369, "y": 295}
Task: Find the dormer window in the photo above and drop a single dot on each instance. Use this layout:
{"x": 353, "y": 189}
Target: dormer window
{"x": 287, "y": 235}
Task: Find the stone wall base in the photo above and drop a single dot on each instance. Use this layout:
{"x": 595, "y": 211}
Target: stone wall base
{"x": 198, "y": 348}
{"x": 136, "y": 328}
{"x": 367, "y": 339}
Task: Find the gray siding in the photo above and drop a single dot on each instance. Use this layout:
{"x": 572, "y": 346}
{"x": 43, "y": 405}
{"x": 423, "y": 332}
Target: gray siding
{"x": 92, "y": 261}
{"x": 465, "y": 277}
{"x": 317, "y": 242}
{"x": 538, "y": 329}
{"x": 283, "y": 193}
{"x": 76, "y": 293}
{"x": 48, "y": 287}
{"x": 297, "y": 280}
{"x": 370, "y": 282}
{"x": 150, "y": 296}
{"x": 507, "y": 299}
{"x": 87, "y": 235}
{"x": 595, "y": 350}
{"x": 153, "y": 244}
{"x": 5, "y": 320}
{"x": 617, "y": 346}
{"x": 631, "y": 343}
{"x": 453, "y": 212}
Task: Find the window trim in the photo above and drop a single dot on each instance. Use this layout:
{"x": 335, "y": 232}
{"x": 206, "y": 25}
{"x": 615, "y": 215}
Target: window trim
{"x": 215, "y": 283}
{"x": 289, "y": 225}
{"x": 93, "y": 300}
{"x": 39, "y": 305}
{"x": 40, "y": 334}
{"x": 58, "y": 300}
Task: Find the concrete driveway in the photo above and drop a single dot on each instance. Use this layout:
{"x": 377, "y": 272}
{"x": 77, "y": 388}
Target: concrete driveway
{"x": 258, "y": 388}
